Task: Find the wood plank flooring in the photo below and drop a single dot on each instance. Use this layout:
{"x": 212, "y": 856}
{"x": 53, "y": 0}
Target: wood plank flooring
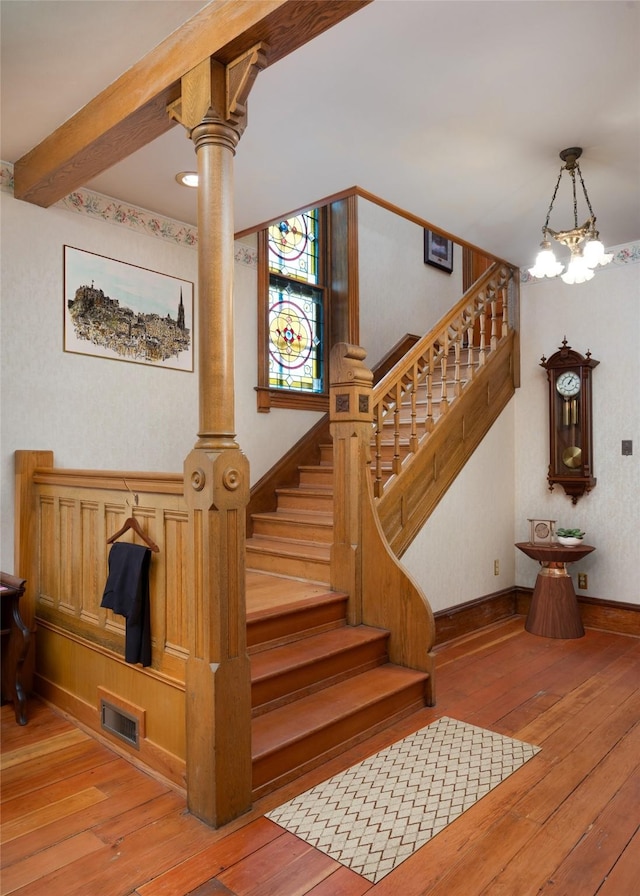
{"x": 80, "y": 820}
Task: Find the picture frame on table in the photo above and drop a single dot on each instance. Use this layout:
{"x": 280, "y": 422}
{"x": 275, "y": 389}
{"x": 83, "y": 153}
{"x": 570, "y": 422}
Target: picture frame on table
{"x": 120, "y": 311}
{"x": 438, "y": 251}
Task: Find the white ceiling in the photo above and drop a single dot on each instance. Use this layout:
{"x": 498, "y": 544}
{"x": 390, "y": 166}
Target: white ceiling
{"x": 454, "y": 110}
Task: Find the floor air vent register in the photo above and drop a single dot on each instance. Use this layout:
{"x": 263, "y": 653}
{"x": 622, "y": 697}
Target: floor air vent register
{"x": 119, "y": 723}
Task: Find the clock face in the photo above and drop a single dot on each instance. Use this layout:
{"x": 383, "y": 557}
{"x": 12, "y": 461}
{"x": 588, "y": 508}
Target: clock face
{"x": 542, "y": 530}
{"x": 568, "y": 383}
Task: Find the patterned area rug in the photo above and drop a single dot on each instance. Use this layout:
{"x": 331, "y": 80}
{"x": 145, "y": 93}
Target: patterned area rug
{"x": 377, "y": 813}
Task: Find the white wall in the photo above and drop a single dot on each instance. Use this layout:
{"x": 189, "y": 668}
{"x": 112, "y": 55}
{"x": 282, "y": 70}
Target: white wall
{"x": 603, "y": 317}
{"x": 96, "y": 413}
{"x": 104, "y": 414}
{"x": 399, "y": 293}
{"x": 505, "y": 483}
{"x": 453, "y": 556}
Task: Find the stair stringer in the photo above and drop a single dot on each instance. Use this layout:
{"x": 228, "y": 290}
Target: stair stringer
{"x": 392, "y": 600}
{"x": 410, "y": 497}
{"x": 381, "y": 592}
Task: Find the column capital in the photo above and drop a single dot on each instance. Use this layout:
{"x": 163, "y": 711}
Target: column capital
{"x": 213, "y": 92}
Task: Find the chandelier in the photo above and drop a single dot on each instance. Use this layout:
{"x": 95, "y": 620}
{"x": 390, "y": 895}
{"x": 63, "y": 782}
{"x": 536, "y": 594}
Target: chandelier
{"x": 587, "y": 252}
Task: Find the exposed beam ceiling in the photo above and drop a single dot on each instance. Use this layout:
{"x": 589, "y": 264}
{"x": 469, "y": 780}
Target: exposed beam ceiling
{"x": 131, "y": 112}
{"x": 452, "y": 111}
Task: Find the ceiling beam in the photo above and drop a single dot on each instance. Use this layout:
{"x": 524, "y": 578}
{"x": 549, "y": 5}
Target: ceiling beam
{"x": 132, "y": 111}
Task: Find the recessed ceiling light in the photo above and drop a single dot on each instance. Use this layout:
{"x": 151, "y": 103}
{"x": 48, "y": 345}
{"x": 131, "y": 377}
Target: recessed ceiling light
{"x": 187, "y": 178}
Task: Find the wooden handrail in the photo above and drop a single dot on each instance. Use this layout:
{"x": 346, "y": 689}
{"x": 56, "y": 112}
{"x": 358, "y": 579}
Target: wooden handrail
{"x": 435, "y": 371}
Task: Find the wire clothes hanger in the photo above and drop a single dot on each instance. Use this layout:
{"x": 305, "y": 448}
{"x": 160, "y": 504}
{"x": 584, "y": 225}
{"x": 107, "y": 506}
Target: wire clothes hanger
{"x": 132, "y": 523}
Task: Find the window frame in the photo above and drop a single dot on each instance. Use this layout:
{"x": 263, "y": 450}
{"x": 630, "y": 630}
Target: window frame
{"x": 268, "y": 396}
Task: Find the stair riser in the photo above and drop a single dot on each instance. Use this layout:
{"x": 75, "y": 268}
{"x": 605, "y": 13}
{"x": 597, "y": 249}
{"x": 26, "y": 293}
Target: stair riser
{"x": 291, "y": 684}
{"x": 321, "y": 476}
{"x": 294, "y": 759}
{"x": 289, "y": 626}
{"x": 301, "y": 501}
{"x": 295, "y": 567}
{"x": 275, "y": 528}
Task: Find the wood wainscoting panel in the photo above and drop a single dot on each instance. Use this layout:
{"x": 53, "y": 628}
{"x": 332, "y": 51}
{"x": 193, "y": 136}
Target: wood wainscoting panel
{"x": 75, "y": 518}
{"x": 91, "y": 572}
{"x": 73, "y": 675}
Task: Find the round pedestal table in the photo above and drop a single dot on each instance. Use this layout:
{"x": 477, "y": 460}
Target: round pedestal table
{"x": 554, "y": 609}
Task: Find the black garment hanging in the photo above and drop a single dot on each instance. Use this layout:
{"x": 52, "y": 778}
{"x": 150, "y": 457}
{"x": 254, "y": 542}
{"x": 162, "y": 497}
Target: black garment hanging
{"x": 127, "y": 593}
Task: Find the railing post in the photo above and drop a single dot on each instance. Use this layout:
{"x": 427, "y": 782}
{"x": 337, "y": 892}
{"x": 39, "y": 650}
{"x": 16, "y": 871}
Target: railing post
{"x": 351, "y": 419}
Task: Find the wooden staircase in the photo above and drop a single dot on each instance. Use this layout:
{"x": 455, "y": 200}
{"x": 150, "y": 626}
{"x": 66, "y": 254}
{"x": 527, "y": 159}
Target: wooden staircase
{"x": 318, "y": 685}
{"x": 295, "y": 539}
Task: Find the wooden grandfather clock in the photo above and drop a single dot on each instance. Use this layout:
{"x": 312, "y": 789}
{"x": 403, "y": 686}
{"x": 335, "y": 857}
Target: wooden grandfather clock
{"x": 570, "y": 421}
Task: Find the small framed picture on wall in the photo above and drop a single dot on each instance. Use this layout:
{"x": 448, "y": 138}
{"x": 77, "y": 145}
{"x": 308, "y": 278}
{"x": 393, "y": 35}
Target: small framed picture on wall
{"x": 438, "y": 251}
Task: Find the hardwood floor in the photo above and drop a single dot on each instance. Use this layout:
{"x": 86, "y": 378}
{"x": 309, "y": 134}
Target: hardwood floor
{"x": 80, "y": 820}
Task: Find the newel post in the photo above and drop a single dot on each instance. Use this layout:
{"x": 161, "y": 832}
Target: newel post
{"x": 351, "y": 419}
{"x": 216, "y": 473}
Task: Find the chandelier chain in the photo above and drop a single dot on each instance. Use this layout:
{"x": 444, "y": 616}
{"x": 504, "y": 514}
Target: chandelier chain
{"x": 584, "y": 190}
{"x": 553, "y": 199}
{"x": 575, "y": 198}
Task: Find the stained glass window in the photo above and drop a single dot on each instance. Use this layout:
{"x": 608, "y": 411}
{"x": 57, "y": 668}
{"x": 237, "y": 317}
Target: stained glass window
{"x": 296, "y": 305}
{"x": 294, "y": 245}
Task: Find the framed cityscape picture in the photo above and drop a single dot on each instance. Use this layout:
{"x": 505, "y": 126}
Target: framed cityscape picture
{"x": 438, "y": 251}
{"x": 117, "y": 310}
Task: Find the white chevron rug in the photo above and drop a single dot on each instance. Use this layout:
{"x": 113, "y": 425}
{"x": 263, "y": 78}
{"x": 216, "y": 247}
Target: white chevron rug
{"x": 377, "y": 813}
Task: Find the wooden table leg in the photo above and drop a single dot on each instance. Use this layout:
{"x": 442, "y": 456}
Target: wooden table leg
{"x": 554, "y": 611}
{"x": 15, "y": 646}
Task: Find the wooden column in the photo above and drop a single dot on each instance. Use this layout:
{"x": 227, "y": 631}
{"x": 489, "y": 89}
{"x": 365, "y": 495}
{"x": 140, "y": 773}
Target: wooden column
{"x": 216, "y": 473}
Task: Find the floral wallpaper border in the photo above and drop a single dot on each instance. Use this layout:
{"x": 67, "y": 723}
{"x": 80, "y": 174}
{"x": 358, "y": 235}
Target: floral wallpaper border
{"x": 111, "y": 211}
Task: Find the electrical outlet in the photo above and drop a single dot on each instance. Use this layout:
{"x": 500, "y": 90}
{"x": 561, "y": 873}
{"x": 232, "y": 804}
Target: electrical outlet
{"x": 496, "y": 567}
{"x": 582, "y": 580}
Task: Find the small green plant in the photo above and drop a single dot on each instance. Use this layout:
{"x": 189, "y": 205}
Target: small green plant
{"x": 570, "y": 533}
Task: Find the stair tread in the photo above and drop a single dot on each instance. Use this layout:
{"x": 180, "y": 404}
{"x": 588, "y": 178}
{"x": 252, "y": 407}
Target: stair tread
{"x": 316, "y": 711}
{"x": 315, "y": 596}
{"x": 310, "y": 649}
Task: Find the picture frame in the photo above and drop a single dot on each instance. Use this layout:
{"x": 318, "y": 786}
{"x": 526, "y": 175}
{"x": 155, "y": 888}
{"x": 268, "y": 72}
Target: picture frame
{"x": 123, "y": 312}
{"x": 438, "y": 251}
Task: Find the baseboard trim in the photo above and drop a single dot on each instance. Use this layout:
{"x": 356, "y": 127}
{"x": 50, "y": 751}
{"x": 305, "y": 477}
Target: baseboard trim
{"x": 474, "y": 614}
{"x": 150, "y": 757}
{"x": 607, "y": 615}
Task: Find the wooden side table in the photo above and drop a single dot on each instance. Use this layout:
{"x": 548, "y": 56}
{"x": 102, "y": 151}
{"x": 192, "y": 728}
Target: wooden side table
{"x": 554, "y": 609}
{"x": 15, "y": 644}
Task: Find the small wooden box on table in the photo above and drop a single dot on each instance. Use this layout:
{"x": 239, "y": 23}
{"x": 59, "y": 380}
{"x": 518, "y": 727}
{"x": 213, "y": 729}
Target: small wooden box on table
{"x": 15, "y": 644}
{"x": 554, "y": 611}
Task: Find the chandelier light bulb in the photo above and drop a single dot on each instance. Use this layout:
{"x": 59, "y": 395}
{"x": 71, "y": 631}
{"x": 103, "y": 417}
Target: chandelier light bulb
{"x": 594, "y": 253}
{"x": 578, "y": 270}
{"x": 546, "y": 264}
